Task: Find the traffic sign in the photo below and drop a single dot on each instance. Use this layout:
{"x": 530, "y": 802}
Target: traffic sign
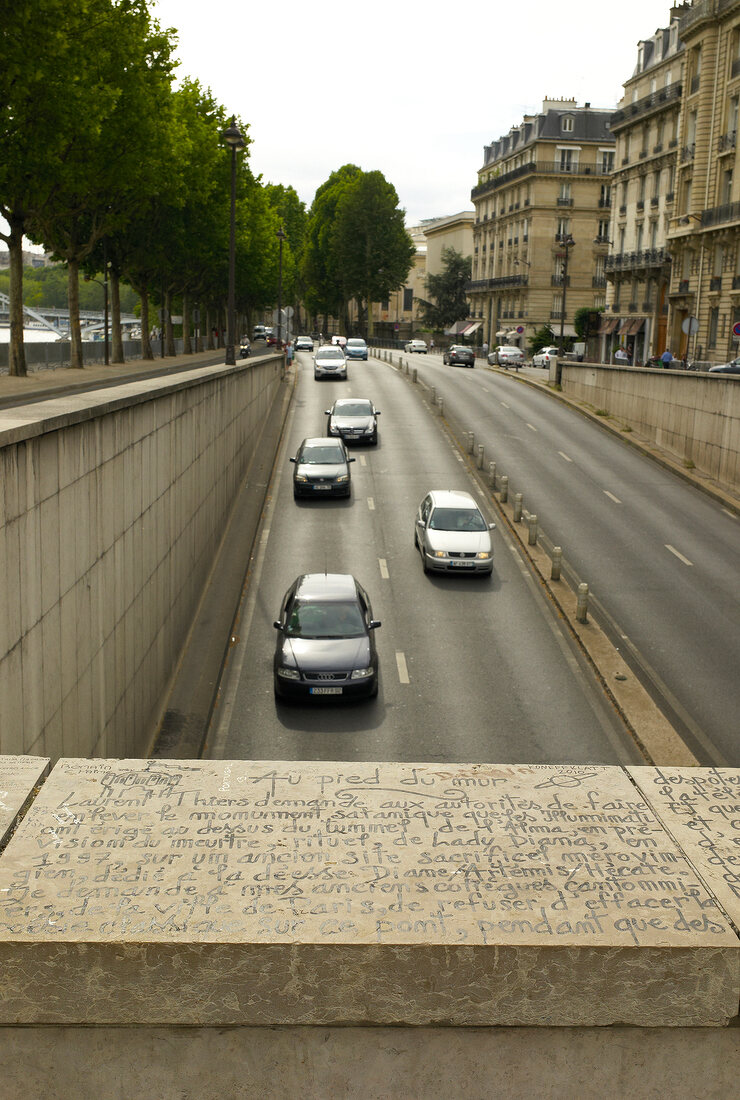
{"x": 520, "y": 329}
{"x": 736, "y": 329}
{"x": 690, "y": 325}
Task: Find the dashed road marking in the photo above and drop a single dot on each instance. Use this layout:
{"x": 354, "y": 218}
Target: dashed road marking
{"x": 403, "y": 672}
{"x": 371, "y": 503}
{"x": 363, "y": 460}
{"x": 383, "y": 568}
{"x": 531, "y": 427}
{"x": 505, "y": 405}
{"x": 680, "y": 556}
{"x": 565, "y": 456}
{"x": 612, "y": 497}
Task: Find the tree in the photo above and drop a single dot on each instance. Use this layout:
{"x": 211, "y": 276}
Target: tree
{"x": 542, "y": 338}
{"x": 370, "y": 245}
{"x": 447, "y": 292}
{"x": 325, "y": 292}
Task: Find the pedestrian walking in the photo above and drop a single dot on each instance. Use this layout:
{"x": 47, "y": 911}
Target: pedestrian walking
{"x": 621, "y": 356}
{"x": 667, "y": 357}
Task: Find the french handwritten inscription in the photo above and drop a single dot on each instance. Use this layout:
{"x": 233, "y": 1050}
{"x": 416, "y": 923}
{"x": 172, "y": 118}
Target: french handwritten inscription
{"x": 18, "y": 777}
{"x": 215, "y": 851}
{"x": 700, "y": 807}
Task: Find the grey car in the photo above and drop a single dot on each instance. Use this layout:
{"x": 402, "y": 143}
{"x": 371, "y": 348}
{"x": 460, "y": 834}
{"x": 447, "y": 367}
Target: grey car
{"x": 353, "y": 419}
{"x": 321, "y": 469}
{"x": 330, "y": 362}
{"x": 452, "y": 535}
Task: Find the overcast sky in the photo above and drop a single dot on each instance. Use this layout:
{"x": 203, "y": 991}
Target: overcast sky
{"x": 413, "y": 89}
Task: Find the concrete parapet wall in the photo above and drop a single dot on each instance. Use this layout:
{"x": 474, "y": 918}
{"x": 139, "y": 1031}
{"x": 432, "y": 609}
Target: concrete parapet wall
{"x": 112, "y": 505}
{"x": 524, "y": 930}
{"x": 695, "y": 416}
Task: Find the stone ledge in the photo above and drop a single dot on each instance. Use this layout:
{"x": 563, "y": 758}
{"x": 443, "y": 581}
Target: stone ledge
{"x": 18, "y": 777}
{"x": 221, "y": 893}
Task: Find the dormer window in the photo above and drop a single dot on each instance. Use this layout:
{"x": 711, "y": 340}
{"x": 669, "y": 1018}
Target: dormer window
{"x": 566, "y": 124}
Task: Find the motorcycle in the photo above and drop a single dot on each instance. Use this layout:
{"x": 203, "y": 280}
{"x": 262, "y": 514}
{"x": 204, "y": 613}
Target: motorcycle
{"x": 244, "y": 351}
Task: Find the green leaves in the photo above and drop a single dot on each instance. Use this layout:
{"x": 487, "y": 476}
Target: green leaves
{"x": 447, "y": 301}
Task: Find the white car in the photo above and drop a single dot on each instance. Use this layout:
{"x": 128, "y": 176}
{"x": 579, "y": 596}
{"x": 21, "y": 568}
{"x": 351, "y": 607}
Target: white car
{"x": 506, "y": 356}
{"x": 452, "y": 535}
{"x": 417, "y": 347}
{"x": 330, "y": 362}
{"x": 543, "y": 357}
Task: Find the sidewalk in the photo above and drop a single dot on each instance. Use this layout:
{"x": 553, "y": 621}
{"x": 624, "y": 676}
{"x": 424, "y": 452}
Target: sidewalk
{"x": 40, "y": 384}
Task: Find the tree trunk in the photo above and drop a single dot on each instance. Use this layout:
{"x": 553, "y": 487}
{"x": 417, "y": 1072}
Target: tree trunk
{"x": 369, "y": 316}
{"x": 17, "y": 362}
{"x": 170, "y": 345}
{"x": 186, "y": 345}
{"x": 115, "y": 319}
{"x": 73, "y": 301}
{"x": 146, "y": 344}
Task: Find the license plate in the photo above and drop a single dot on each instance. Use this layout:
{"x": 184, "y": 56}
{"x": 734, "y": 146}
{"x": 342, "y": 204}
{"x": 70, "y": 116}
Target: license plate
{"x": 325, "y": 691}
{"x": 462, "y": 564}
{"x": 320, "y": 487}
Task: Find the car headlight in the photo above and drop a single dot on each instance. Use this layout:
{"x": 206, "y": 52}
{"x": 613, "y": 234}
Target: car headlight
{"x": 343, "y": 477}
{"x": 483, "y": 555}
{"x": 301, "y": 477}
{"x": 440, "y": 554}
{"x": 289, "y": 673}
{"x": 333, "y": 429}
{"x": 361, "y": 673}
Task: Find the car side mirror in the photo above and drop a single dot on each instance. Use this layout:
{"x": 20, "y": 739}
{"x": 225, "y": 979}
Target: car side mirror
{"x": 377, "y": 412}
{"x": 294, "y": 460}
{"x": 327, "y": 412}
{"x": 278, "y": 625}
{"x": 373, "y": 624}
{"x": 491, "y": 526}
{"x": 351, "y": 459}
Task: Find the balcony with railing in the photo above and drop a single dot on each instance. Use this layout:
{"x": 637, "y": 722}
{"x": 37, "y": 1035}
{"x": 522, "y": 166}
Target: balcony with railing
{"x": 598, "y": 282}
{"x": 715, "y": 283}
{"x": 559, "y": 280}
{"x": 694, "y": 86}
{"x": 653, "y": 102}
{"x": 605, "y": 204}
{"x": 563, "y": 200}
{"x": 721, "y": 215}
{"x": 683, "y": 286}
{"x": 630, "y": 261}
{"x": 499, "y": 283}
{"x": 726, "y": 142}
{"x": 687, "y": 153}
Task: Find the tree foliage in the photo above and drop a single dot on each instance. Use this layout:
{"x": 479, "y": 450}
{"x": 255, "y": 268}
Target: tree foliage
{"x": 447, "y": 302}
{"x": 542, "y": 338}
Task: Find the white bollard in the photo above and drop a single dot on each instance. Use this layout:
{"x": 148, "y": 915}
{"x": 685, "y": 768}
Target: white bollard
{"x": 532, "y": 539}
{"x": 441, "y": 406}
{"x": 582, "y": 604}
{"x": 504, "y": 489}
{"x": 481, "y": 451}
{"x": 557, "y": 561}
{"x": 471, "y": 442}
{"x": 492, "y": 474}
{"x": 518, "y": 500}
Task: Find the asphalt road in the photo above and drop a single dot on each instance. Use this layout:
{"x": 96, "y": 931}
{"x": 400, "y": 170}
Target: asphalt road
{"x": 472, "y": 669}
{"x": 661, "y": 558}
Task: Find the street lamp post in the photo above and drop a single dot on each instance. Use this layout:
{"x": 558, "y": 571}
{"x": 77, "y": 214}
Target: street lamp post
{"x": 567, "y": 242}
{"x": 233, "y": 137}
{"x": 281, "y": 238}
{"x": 105, "y": 301}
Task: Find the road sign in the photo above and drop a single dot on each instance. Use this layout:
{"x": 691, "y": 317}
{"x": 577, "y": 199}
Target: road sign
{"x": 690, "y": 325}
{"x": 520, "y": 329}
{"x": 736, "y": 329}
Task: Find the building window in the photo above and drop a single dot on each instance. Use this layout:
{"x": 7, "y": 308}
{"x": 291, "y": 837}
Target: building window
{"x": 408, "y": 299}
{"x": 563, "y": 227}
{"x": 603, "y": 233}
{"x": 719, "y": 257}
{"x": 568, "y": 160}
{"x": 567, "y": 124}
{"x": 607, "y": 161}
{"x": 713, "y": 324}
{"x": 653, "y": 234}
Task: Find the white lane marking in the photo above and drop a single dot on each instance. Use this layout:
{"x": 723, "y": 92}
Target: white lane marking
{"x": 680, "y": 556}
{"x": 485, "y": 389}
{"x": 564, "y": 455}
{"x": 729, "y": 513}
{"x": 531, "y": 427}
{"x": 612, "y": 497}
{"x": 383, "y": 568}
{"x": 363, "y": 460}
{"x": 505, "y": 405}
{"x": 403, "y": 672}
{"x": 371, "y": 504}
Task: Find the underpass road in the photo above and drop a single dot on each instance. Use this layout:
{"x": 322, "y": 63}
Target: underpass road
{"x": 661, "y": 557}
{"x": 472, "y": 669}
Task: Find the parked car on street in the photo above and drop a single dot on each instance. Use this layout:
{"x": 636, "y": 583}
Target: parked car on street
{"x": 542, "y": 357}
{"x": 416, "y": 347}
{"x": 329, "y": 362}
{"x": 303, "y": 343}
{"x": 321, "y": 468}
{"x": 325, "y": 642}
{"x": 353, "y": 419}
{"x": 506, "y": 356}
{"x": 459, "y": 356}
{"x": 452, "y": 535}
{"x": 733, "y": 367}
{"x": 355, "y": 348}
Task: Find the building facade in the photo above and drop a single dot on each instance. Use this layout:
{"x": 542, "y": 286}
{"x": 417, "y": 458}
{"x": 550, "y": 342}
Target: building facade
{"x": 541, "y": 228}
{"x": 647, "y": 128}
{"x": 704, "y": 230}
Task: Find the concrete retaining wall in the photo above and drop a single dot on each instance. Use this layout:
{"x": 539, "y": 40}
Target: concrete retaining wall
{"x": 112, "y": 505}
{"x": 695, "y": 416}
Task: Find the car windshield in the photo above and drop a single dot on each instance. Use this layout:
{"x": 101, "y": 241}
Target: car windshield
{"x": 353, "y": 408}
{"x": 321, "y": 454}
{"x": 331, "y": 353}
{"x": 356, "y": 343}
{"x": 325, "y": 620}
{"x": 457, "y": 519}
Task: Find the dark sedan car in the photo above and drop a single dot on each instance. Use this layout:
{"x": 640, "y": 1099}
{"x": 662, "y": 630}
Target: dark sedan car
{"x": 353, "y": 418}
{"x": 325, "y": 643}
{"x": 321, "y": 468}
{"x": 459, "y": 356}
{"x": 733, "y": 367}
